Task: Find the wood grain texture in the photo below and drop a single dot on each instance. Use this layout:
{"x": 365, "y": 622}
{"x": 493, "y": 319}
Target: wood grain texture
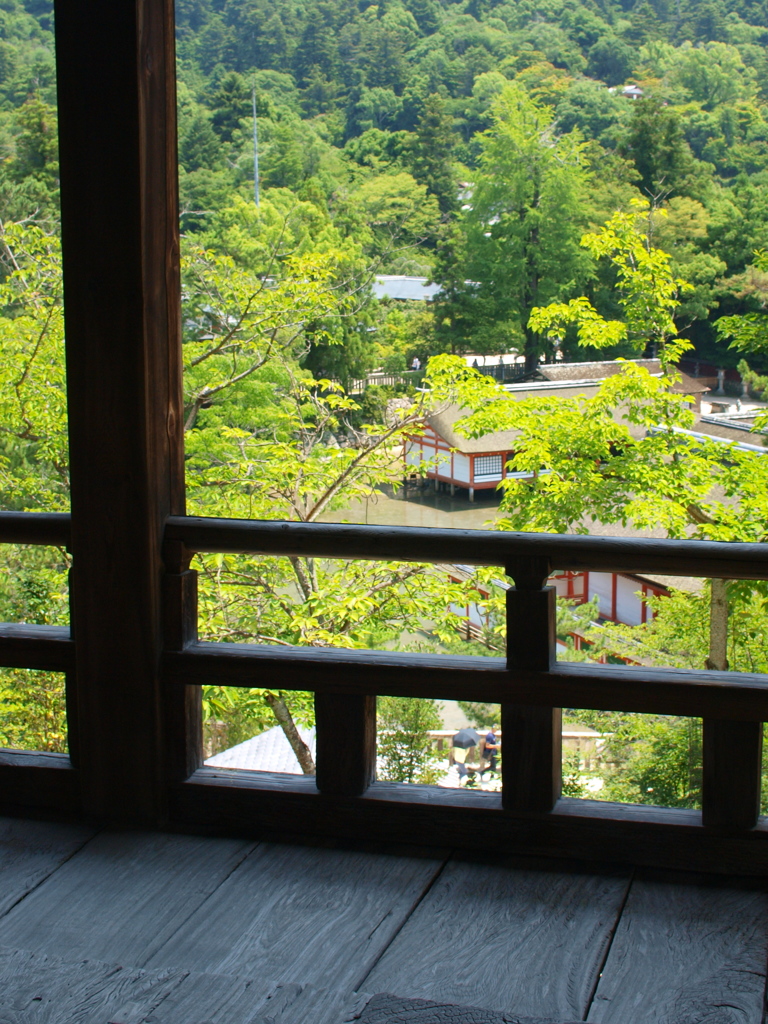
{"x": 732, "y": 773}
{"x": 531, "y": 767}
{"x": 686, "y": 954}
{"x": 35, "y": 528}
{"x": 223, "y": 999}
{"x": 30, "y": 851}
{"x": 119, "y": 224}
{"x": 122, "y": 897}
{"x": 34, "y": 781}
{"x": 388, "y": 1009}
{"x": 182, "y": 707}
{"x": 346, "y": 743}
{"x": 735, "y": 695}
{"x": 300, "y": 915}
{"x": 512, "y": 940}
{"x": 530, "y": 623}
{"x": 472, "y": 547}
{"x": 39, "y": 989}
{"x": 237, "y": 804}
{"x": 41, "y": 647}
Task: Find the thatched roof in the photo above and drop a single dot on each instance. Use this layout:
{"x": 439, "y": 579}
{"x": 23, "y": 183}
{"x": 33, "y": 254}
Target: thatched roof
{"x": 599, "y": 370}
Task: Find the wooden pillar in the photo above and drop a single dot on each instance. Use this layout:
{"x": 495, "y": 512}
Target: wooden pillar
{"x": 531, "y": 754}
{"x": 119, "y": 208}
{"x": 182, "y": 705}
{"x": 70, "y": 694}
{"x": 732, "y": 755}
{"x": 731, "y": 750}
{"x": 345, "y": 743}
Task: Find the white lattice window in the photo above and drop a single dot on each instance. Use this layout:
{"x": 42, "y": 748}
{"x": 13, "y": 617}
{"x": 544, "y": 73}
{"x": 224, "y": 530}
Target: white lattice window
{"x": 487, "y": 465}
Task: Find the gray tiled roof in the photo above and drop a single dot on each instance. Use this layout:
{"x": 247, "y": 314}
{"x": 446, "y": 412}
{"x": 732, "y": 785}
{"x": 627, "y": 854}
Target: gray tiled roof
{"x": 399, "y": 286}
{"x": 270, "y": 751}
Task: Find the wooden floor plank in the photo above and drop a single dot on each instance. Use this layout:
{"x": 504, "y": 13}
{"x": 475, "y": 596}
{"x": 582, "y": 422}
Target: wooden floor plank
{"x": 224, "y": 999}
{"x": 122, "y": 896}
{"x": 388, "y": 1009}
{"x": 32, "y": 850}
{"x": 301, "y": 915}
{"x": 507, "y": 938}
{"x": 685, "y": 954}
{"x": 39, "y": 989}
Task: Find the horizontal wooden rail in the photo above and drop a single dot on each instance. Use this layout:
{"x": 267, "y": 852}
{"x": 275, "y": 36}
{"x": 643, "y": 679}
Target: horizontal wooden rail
{"x": 35, "y": 528}
{"x": 471, "y": 547}
{"x": 261, "y": 805}
{"x": 403, "y": 543}
{"x": 41, "y": 647}
{"x": 43, "y": 781}
{"x": 733, "y": 695}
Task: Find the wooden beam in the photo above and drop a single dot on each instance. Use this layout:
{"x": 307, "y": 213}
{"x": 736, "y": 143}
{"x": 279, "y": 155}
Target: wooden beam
{"x": 288, "y": 806}
{"x": 43, "y": 782}
{"x": 50, "y": 528}
{"x": 345, "y": 743}
{"x": 532, "y": 754}
{"x": 41, "y": 647}
{"x": 734, "y": 695}
{"x": 117, "y": 129}
{"x": 182, "y": 707}
{"x": 472, "y": 547}
{"x": 732, "y": 769}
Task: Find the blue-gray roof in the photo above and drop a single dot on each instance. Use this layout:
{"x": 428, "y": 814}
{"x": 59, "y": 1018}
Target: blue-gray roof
{"x": 398, "y": 286}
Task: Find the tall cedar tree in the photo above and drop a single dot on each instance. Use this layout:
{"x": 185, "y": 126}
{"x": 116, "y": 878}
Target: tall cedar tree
{"x": 518, "y": 240}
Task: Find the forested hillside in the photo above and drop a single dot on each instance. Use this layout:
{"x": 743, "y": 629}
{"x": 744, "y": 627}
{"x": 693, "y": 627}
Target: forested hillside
{"x": 471, "y": 142}
{"x": 589, "y": 176}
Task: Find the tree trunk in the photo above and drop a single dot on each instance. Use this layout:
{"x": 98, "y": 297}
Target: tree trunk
{"x": 718, "y": 627}
{"x": 531, "y": 350}
{"x": 285, "y": 719}
{"x": 531, "y": 290}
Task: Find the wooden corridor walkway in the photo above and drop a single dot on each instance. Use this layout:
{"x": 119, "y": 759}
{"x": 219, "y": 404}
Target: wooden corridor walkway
{"x": 103, "y": 927}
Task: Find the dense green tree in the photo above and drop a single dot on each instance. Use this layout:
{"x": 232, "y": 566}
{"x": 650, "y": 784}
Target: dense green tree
{"x": 655, "y": 142}
{"x": 592, "y": 109}
{"x": 198, "y": 145}
{"x": 404, "y": 747}
{"x": 264, "y": 440}
{"x": 430, "y": 153}
{"x": 611, "y": 60}
{"x": 36, "y": 144}
{"x": 519, "y": 238}
{"x": 230, "y": 103}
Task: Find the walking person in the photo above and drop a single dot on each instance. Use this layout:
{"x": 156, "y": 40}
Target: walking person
{"x": 491, "y": 749}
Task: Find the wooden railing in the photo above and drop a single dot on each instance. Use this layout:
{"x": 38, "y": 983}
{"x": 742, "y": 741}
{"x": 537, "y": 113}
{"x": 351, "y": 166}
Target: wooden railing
{"x": 531, "y": 686}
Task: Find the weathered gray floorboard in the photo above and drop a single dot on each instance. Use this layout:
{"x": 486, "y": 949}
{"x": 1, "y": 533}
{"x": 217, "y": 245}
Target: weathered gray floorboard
{"x": 301, "y": 915}
{"x": 513, "y": 940}
{"x": 32, "y": 850}
{"x": 122, "y": 896}
{"x": 223, "y": 999}
{"x": 686, "y": 954}
{"x": 387, "y": 1009}
{"x": 39, "y": 989}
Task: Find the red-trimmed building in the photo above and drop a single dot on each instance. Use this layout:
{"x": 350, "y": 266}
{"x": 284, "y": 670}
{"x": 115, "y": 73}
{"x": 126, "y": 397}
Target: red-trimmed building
{"x": 621, "y": 597}
{"x": 457, "y": 461}
{"x": 480, "y": 463}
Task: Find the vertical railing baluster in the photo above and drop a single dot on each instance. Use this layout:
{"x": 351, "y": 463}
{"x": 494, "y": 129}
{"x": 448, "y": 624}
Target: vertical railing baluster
{"x": 731, "y": 750}
{"x": 531, "y": 751}
{"x": 182, "y": 704}
{"x": 732, "y": 764}
{"x": 70, "y": 694}
{"x": 345, "y": 743}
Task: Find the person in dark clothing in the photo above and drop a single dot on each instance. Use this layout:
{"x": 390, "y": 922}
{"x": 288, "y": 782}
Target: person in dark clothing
{"x": 491, "y": 750}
